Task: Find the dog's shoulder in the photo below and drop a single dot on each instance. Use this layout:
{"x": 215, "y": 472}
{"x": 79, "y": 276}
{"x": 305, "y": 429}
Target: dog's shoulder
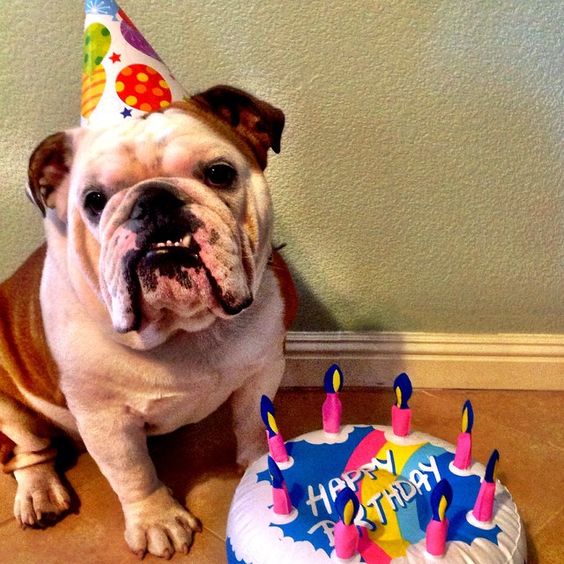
{"x": 25, "y": 360}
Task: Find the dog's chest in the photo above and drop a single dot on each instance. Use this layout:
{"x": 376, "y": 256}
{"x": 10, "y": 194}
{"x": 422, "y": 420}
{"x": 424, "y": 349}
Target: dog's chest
{"x": 179, "y": 383}
{"x": 170, "y": 398}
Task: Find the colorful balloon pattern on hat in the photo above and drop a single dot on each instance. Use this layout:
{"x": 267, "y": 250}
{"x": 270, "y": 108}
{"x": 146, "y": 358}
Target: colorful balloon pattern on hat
{"x": 143, "y": 88}
{"x": 123, "y": 76}
{"x": 132, "y": 35}
{"x": 97, "y": 41}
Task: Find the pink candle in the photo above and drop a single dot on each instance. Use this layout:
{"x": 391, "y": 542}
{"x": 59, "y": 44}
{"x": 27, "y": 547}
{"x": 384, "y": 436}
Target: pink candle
{"x": 282, "y": 504}
{"x": 437, "y": 530}
{"x": 435, "y": 537}
{"x": 346, "y": 540}
{"x": 401, "y": 414}
{"x": 276, "y": 444}
{"x": 332, "y": 407}
{"x": 483, "y": 508}
{"x": 346, "y": 533}
{"x": 277, "y": 447}
{"x": 401, "y": 421}
{"x": 463, "y": 455}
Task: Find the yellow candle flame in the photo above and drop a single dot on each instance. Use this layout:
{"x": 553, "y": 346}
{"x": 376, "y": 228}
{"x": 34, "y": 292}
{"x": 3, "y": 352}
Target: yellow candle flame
{"x": 272, "y": 423}
{"x": 464, "y": 420}
{"x": 336, "y": 380}
{"x": 398, "y": 396}
{"x": 348, "y": 512}
{"x": 442, "y": 507}
{"x": 494, "y": 473}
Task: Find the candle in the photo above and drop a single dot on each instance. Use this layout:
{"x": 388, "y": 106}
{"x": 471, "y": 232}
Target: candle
{"x": 345, "y": 533}
{"x": 483, "y": 508}
{"x": 437, "y": 530}
{"x": 401, "y": 414}
{"x": 463, "y": 455}
{"x": 276, "y": 444}
{"x": 332, "y": 408}
{"x": 280, "y": 495}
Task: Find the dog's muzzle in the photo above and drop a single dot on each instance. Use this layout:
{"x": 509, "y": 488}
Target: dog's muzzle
{"x": 174, "y": 258}
{"x": 163, "y": 226}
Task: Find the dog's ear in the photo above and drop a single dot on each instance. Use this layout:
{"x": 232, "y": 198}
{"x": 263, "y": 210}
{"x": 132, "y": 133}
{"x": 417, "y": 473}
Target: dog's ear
{"x": 259, "y": 123}
{"x": 49, "y": 166}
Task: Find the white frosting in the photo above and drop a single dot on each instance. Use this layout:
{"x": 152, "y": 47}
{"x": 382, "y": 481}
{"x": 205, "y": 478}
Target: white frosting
{"x": 352, "y": 560}
{"x": 323, "y": 438}
{"x": 255, "y": 540}
{"x": 511, "y": 547}
{"x": 285, "y": 465}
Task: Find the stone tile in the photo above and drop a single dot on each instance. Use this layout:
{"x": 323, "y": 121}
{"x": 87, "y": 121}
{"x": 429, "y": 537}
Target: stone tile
{"x": 547, "y": 546}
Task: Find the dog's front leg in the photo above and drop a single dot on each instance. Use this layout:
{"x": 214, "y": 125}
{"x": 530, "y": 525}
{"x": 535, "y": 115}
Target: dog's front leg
{"x": 154, "y": 521}
{"x": 247, "y": 424}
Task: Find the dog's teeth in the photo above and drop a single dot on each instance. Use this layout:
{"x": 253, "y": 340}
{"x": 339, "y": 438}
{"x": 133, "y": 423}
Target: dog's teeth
{"x": 169, "y": 242}
{"x": 186, "y": 241}
{"x": 177, "y": 244}
{"x": 160, "y": 244}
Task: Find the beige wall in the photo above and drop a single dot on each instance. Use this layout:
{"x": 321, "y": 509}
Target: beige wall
{"x": 420, "y": 186}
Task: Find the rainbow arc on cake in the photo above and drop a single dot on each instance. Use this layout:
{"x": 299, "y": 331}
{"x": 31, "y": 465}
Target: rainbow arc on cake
{"x": 372, "y": 493}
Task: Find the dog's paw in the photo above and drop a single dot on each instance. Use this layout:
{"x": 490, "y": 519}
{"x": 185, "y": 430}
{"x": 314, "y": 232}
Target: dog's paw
{"x": 41, "y": 498}
{"x": 159, "y": 525}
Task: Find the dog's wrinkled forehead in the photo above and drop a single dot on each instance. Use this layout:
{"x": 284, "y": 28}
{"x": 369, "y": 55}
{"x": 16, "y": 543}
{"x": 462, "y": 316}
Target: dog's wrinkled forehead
{"x": 171, "y": 143}
{"x": 222, "y": 123}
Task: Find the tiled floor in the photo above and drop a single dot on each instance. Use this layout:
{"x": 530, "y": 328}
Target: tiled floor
{"x": 197, "y": 462}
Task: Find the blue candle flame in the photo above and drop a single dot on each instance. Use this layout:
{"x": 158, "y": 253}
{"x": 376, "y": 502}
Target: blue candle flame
{"x": 467, "y": 417}
{"x": 267, "y": 415}
{"x": 441, "y": 498}
{"x": 489, "y": 476}
{"x": 333, "y": 382}
{"x": 403, "y": 390}
{"x": 347, "y": 505}
{"x": 276, "y": 477}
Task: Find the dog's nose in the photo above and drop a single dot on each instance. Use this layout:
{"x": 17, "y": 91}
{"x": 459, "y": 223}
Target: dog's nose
{"x": 156, "y": 202}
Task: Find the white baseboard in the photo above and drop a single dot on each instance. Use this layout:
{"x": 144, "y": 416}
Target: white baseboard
{"x": 432, "y": 360}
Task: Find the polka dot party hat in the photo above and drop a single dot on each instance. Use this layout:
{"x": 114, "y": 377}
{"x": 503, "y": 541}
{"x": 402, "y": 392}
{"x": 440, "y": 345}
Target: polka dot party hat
{"x": 122, "y": 75}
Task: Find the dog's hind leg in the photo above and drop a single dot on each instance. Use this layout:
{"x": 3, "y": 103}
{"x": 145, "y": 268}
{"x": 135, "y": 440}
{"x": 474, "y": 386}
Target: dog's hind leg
{"x": 27, "y": 452}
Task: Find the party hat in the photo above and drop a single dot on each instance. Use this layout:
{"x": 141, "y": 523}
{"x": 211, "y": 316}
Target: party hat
{"x": 123, "y": 76}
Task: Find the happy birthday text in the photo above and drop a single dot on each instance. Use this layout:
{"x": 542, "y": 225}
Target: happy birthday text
{"x": 394, "y": 496}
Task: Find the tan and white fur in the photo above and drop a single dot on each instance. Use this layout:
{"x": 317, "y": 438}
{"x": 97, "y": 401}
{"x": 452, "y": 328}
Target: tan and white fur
{"x": 114, "y": 332}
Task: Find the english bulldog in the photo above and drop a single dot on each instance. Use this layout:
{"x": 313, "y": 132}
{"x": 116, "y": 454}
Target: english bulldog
{"x": 156, "y": 299}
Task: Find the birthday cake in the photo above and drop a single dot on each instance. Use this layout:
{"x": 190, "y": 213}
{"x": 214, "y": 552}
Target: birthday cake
{"x": 372, "y": 493}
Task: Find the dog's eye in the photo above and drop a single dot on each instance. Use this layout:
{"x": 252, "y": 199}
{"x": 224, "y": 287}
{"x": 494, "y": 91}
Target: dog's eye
{"x": 220, "y": 175}
{"x": 94, "y": 204}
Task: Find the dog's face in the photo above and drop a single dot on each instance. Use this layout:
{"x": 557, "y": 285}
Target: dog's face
{"x": 167, "y": 218}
